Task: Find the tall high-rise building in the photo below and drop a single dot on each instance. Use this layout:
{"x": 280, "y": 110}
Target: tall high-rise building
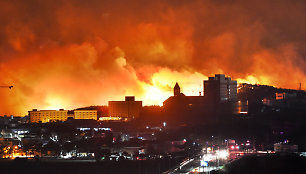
{"x": 220, "y": 88}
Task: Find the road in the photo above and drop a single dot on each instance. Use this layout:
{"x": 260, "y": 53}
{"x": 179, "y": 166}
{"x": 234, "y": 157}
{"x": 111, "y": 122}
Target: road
{"x": 215, "y": 161}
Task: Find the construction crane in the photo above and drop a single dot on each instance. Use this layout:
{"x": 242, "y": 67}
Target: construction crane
{"x": 6, "y": 87}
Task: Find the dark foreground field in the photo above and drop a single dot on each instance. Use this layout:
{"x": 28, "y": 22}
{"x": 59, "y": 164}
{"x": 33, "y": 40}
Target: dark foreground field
{"x": 269, "y": 164}
{"x": 83, "y": 167}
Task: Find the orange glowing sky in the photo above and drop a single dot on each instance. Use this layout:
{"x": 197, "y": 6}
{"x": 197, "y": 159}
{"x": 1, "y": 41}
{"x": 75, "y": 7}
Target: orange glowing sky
{"x": 75, "y": 53}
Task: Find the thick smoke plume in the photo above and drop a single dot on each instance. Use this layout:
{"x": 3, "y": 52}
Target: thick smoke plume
{"x": 73, "y": 53}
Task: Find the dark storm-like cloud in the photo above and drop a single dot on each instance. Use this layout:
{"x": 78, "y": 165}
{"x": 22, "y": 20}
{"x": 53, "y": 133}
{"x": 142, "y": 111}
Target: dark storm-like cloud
{"x": 45, "y": 44}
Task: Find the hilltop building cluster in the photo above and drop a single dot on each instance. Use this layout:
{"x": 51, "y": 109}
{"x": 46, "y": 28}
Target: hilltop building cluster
{"x": 220, "y": 100}
{"x": 118, "y": 111}
{"x": 220, "y": 97}
{"x": 218, "y": 90}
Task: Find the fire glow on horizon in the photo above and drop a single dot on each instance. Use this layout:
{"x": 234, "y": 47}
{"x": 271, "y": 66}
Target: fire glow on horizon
{"x": 69, "y": 54}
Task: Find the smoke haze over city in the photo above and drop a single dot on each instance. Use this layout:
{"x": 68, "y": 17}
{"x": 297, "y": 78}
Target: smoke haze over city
{"x": 69, "y": 54}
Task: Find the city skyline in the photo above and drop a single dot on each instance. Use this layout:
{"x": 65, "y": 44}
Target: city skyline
{"x": 177, "y": 92}
{"x": 55, "y": 61}
{"x": 152, "y": 87}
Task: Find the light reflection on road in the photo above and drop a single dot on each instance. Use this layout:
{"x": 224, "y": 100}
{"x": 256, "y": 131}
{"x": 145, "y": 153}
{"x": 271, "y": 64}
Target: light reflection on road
{"x": 215, "y": 160}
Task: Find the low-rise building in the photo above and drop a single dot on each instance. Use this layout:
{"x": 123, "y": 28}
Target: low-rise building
{"x": 85, "y": 114}
{"x": 128, "y": 109}
{"x": 45, "y": 116}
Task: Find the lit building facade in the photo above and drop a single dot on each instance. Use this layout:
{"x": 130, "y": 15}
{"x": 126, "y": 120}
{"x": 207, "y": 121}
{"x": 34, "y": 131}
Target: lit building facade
{"x": 220, "y": 88}
{"x": 85, "y": 114}
{"x": 284, "y": 95}
{"x": 45, "y": 116}
{"x": 128, "y": 109}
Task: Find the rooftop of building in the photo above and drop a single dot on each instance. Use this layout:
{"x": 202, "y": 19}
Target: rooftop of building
{"x": 127, "y": 98}
{"x": 219, "y": 77}
{"x": 88, "y": 110}
{"x": 36, "y": 110}
{"x": 183, "y": 98}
